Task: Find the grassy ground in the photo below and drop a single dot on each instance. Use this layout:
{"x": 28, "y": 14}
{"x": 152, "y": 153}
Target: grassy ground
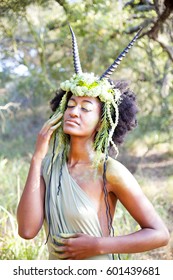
{"x": 154, "y": 173}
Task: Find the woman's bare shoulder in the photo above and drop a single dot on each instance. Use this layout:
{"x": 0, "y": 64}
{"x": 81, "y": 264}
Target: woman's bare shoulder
{"x": 118, "y": 175}
{"x": 116, "y": 169}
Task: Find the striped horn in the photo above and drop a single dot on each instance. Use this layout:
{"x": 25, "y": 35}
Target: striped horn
{"x": 117, "y": 61}
{"x": 76, "y": 59}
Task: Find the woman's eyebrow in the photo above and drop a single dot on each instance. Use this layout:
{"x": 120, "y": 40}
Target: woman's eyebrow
{"x": 73, "y": 99}
{"x": 87, "y": 101}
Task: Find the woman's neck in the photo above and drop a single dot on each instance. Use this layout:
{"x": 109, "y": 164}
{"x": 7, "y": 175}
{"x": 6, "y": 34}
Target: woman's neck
{"x": 81, "y": 151}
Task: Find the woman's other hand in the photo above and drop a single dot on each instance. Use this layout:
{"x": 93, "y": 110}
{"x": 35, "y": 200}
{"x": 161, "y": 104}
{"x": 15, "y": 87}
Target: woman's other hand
{"x": 78, "y": 247}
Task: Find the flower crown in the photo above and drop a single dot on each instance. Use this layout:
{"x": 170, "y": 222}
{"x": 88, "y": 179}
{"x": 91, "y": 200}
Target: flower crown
{"x": 87, "y": 84}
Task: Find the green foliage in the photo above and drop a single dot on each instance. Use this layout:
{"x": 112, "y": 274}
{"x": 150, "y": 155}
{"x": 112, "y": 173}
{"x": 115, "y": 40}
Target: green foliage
{"x": 12, "y": 247}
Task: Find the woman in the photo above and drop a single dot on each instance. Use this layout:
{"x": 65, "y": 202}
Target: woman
{"x": 75, "y": 189}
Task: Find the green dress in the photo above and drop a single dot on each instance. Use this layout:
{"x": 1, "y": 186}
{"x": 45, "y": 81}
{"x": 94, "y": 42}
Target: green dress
{"x": 72, "y": 211}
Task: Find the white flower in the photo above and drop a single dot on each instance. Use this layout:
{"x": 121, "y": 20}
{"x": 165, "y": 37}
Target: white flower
{"x": 117, "y": 94}
{"x": 78, "y": 91}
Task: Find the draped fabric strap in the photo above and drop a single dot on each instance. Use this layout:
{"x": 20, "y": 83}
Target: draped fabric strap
{"x": 72, "y": 211}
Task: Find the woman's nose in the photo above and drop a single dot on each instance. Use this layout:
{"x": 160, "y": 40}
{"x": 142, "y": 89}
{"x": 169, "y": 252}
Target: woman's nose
{"x": 74, "y": 112}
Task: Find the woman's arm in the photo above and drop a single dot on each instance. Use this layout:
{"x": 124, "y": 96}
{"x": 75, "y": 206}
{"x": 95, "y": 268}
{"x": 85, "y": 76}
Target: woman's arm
{"x": 30, "y": 212}
{"x": 153, "y": 232}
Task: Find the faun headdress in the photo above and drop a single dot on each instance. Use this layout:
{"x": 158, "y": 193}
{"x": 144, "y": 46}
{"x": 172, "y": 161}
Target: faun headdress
{"x": 88, "y": 84}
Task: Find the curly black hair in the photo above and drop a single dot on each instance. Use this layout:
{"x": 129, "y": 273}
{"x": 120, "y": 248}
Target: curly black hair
{"x": 127, "y": 110}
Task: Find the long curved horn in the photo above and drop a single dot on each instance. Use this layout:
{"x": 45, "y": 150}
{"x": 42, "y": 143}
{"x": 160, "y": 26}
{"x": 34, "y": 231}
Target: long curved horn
{"x": 76, "y": 59}
{"x": 117, "y": 61}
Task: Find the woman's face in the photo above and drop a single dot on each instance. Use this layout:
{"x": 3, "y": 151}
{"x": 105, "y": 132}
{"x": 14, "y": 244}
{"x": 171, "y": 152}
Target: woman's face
{"x": 82, "y": 116}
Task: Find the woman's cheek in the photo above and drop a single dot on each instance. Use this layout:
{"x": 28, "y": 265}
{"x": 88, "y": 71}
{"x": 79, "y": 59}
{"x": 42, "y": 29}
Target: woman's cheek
{"x": 93, "y": 122}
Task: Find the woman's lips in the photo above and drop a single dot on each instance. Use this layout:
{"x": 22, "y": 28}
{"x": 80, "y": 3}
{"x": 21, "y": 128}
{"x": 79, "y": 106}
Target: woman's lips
{"x": 72, "y": 122}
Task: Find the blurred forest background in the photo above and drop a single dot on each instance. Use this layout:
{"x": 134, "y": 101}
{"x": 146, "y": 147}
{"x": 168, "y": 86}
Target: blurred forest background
{"x": 35, "y": 55}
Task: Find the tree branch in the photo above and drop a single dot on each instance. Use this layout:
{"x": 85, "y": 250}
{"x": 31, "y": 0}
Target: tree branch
{"x": 163, "y": 15}
{"x": 153, "y": 33}
{"x": 7, "y": 107}
{"x": 63, "y": 4}
{"x": 165, "y": 47}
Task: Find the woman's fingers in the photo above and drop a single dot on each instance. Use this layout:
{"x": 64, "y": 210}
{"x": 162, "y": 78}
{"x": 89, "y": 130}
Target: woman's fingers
{"x": 58, "y": 248}
{"x": 64, "y": 247}
{"x": 61, "y": 256}
{"x": 67, "y": 235}
{"x": 54, "y": 127}
{"x": 55, "y": 115}
{"x": 51, "y": 122}
{"x": 58, "y": 240}
{"x": 55, "y": 118}
{"x": 45, "y": 134}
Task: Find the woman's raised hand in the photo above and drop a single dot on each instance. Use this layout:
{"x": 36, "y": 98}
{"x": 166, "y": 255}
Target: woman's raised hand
{"x": 45, "y": 134}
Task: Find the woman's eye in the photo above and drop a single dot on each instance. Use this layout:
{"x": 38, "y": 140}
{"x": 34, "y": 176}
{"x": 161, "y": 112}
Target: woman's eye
{"x": 70, "y": 104}
{"x": 86, "y": 109}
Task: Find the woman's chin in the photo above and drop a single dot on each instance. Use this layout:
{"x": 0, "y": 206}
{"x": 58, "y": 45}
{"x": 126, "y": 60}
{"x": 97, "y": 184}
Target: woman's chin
{"x": 71, "y": 131}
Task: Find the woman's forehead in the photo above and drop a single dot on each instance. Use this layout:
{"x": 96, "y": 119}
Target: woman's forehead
{"x": 90, "y": 99}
